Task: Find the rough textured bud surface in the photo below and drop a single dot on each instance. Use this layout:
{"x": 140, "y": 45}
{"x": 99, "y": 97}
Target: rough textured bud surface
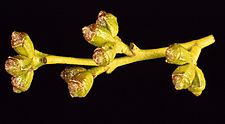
{"x": 80, "y": 84}
{"x": 17, "y": 65}
{"x": 108, "y": 20}
{"x": 100, "y": 57}
{"x": 22, "y": 44}
{"x": 97, "y": 35}
{"x": 199, "y": 83}
{"x": 89, "y": 32}
{"x": 176, "y": 54}
{"x": 183, "y": 76}
{"x": 69, "y": 72}
{"x": 22, "y": 83}
{"x": 105, "y": 54}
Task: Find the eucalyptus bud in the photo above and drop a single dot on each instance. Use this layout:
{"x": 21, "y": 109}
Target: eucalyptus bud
{"x": 104, "y": 55}
{"x": 108, "y": 20}
{"x": 199, "y": 82}
{"x": 71, "y": 71}
{"x": 80, "y": 84}
{"x": 17, "y": 65}
{"x": 97, "y": 35}
{"x": 22, "y": 44}
{"x": 22, "y": 83}
{"x": 177, "y": 54}
{"x": 183, "y": 76}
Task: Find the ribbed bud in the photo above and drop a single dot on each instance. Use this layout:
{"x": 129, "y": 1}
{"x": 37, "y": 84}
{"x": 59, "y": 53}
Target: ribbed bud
{"x": 22, "y": 44}
{"x": 71, "y": 71}
{"x": 97, "y": 35}
{"x": 199, "y": 82}
{"x": 109, "y": 21}
{"x": 104, "y": 55}
{"x": 22, "y": 83}
{"x": 177, "y": 54}
{"x": 80, "y": 84}
{"x": 183, "y": 76}
{"x": 17, "y": 65}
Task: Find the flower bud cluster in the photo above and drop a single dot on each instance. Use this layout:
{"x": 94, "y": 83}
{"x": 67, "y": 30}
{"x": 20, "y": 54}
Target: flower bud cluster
{"x": 103, "y": 34}
{"x": 187, "y": 75}
{"x": 22, "y": 66}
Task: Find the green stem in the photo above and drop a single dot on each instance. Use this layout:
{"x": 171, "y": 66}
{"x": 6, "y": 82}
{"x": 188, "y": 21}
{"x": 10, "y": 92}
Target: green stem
{"x": 139, "y": 55}
{"x": 52, "y": 59}
{"x": 95, "y": 71}
{"x": 203, "y": 42}
{"x": 195, "y": 51}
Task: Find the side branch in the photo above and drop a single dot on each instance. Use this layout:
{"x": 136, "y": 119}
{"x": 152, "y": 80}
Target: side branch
{"x": 141, "y": 55}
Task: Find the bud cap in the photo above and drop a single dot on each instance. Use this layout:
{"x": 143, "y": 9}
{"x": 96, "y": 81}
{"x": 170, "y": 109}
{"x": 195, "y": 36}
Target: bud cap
{"x": 199, "y": 82}
{"x": 177, "y": 54}
{"x": 183, "y": 76}
{"x": 22, "y": 83}
{"x": 22, "y": 44}
{"x": 80, "y": 84}
{"x": 17, "y": 65}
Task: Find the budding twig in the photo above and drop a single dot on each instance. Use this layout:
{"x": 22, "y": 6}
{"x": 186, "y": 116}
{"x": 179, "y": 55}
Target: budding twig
{"x": 103, "y": 35}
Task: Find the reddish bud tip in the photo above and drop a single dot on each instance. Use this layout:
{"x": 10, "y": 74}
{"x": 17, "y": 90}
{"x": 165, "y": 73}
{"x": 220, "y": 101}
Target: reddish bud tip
{"x": 17, "y": 39}
{"x": 89, "y": 32}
